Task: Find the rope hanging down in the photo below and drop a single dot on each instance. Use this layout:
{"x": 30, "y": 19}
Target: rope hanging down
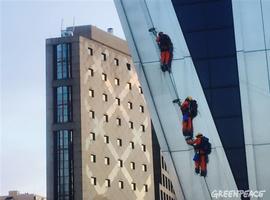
{"x": 154, "y": 31}
{"x": 207, "y": 186}
{"x": 172, "y": 79}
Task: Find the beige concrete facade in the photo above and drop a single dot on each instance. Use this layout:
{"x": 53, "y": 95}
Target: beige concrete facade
{"x": 112, "y": 151}
{"x": 16, "y": 195}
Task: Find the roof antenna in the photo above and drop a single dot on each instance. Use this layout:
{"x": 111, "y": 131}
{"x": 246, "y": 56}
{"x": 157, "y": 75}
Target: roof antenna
{"x": 73, "y": 28}
{"x": 62, "y": 31}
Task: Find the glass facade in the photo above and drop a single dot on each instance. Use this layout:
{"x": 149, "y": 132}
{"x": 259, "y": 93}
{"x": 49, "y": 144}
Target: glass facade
{"x": 63, "y": 104}
{"x": 62, "y": 61}
{"x": 63, "y": 175}
{"x": 208, "y": 29}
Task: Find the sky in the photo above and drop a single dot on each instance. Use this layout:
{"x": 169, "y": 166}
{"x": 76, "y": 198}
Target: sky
{"x": 24, "y": 26}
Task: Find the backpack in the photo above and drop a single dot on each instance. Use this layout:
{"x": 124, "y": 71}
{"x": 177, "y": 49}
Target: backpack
{"x": 165, "y": 43}
{"x": 193, "y": 108}
{"x": 205, "y": 145}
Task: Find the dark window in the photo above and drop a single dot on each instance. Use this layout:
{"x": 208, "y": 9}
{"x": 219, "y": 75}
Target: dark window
{"x": 104, "y": 77}
{"x": 130, "y": 123}
{"x": 128, "y": 66}
{"x": 140, "y": 89}
{"x": 63, "y": 164}
{"x": 90, "y": 71}
{"x": 63, "y": 104}
{"x": 90, "y": 51}
{"x": 117, "y": 101}
{"x": 116, "y": 62}
{"x": 130, "y": 105}
{"x": 62, "y": 61}
{"x": 104, "y": 57}
{"x": 129, "y": 85}
{"x": 141, "y": 109}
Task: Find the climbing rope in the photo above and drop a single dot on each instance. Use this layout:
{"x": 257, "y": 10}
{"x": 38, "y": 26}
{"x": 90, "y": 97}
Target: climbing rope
{"x": 174, "y": 85}
{"x": 172, "y": 79}
{"x": 207, "y": 186}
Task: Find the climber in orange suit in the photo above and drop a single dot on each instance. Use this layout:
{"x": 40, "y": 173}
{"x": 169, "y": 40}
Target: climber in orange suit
{"x": 166, "y": 51}
{"x": 200, "y": 157}
{"x": 187, "y": 126}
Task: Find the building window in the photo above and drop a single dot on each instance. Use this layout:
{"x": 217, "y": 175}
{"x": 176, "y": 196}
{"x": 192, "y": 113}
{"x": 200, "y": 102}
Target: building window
{"x": 105, "y": 118}
{"x": 142, "y": 128}
{"x": 145, "y": 188}
{"x": 163, "y": 180}
{"x": 107, "y": 161}
{"x": 119, "y": 142}
{"x": 117, "y": 101}
{"x": 116, "y": 81}
{"x": 141, "y": 109}
{"x": 106, "y": 139}
{"x": 140, "y": 89}
{"x": 144, "y": 167}
{"x": 131, "y": 144}
{"x": 90, "y": 71}
{"x": 129, "y": 85}
{"x": 92, "y": 136}
{"x": 63, "y": 164}
{"x": 93, "y": 158}
{"x": 121, "y": 184}
{"x": 129, "y": 105}
{"x": 93, "y": 180}
{"x": 133, "y": 186}
{"x": 62, "y": 61}
{"x": 104, "y": 77}
{"x": 128, "y": 67}
{"x": 108, "y": 183}
{"x": 63, "y": 104}
{"x": 116, "y": 62}
{"x": 130, "y": 124}
{"x": 92, "y": 114}
{"x": 105, "y": 97}
{"x": 120, "y": 163}
{"x": 104, "y": 56}
{"x": 91, "y": 93}
{"x": 90, "y": 51}
{"x": 132, "y": 165}
{"x": 143, "y": 147}
{"x": 118, "y": 121}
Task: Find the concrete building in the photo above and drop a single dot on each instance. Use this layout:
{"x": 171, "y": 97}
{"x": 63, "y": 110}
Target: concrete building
{"x": 99, "y": 133}
{"x": 16, "y": 195}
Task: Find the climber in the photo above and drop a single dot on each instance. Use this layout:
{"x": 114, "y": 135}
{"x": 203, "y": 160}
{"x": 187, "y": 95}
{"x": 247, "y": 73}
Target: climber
{"x": 189, "y": 111}
{"x": 166, "y": 51}
{"x": 187, "y": 126}
{"x": 202, "y": 148}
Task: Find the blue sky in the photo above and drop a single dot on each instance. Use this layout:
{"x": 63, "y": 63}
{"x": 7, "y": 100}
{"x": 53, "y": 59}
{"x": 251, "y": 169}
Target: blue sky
{"x": 24, "y": 26}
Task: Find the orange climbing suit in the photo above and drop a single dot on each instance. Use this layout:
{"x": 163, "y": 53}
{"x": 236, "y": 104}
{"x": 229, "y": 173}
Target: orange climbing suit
{"x": 165, "y": 57}
{"x": 165, "y": 53}
{"x": 200, "y": 164}
{"x": 187, "y": 126}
